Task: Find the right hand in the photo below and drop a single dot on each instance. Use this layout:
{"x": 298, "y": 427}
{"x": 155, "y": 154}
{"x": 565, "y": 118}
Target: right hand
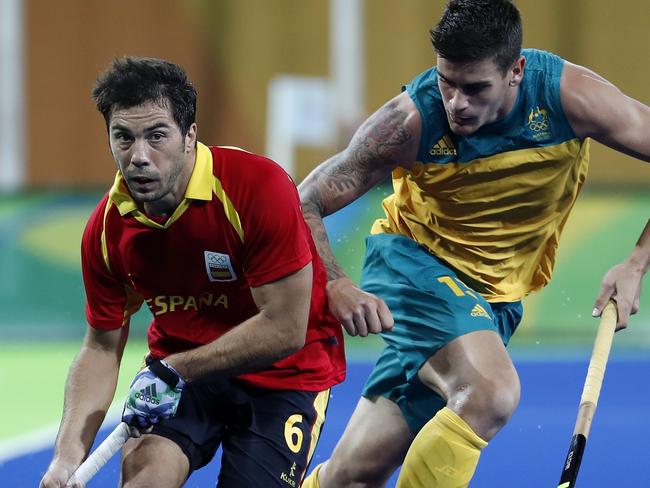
{"x": 361, "y": 313}
{"x": 154, "y": 395}
{"x": 622, "y": 283}
{"x": 57, "y": 475}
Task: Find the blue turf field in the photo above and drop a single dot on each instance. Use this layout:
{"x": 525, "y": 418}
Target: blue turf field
{"x": 41, "y": 304}
{"x": 528, "y": 453}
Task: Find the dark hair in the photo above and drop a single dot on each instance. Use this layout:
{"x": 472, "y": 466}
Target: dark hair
{"x": 133, "y": 81}
{"x": 476, "y": 30}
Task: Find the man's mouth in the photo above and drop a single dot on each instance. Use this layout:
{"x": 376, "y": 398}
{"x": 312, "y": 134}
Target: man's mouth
{"x": 142, "y": 180}
{"x": 457, "y": 119}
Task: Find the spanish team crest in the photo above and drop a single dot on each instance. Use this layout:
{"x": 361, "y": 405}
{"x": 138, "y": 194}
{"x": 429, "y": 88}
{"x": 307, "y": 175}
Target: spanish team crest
{"x": 219, "y": 267}
{"x": 538, "y": 123}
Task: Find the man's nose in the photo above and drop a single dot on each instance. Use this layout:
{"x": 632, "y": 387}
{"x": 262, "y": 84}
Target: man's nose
{"x": 139, "y": 153}
{"x": 459, "y": 101}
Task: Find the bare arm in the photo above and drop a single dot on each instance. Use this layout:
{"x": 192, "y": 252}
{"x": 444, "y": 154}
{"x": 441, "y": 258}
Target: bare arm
{"x": 278, "y": 330}
{"x": 623, "y": 281}
{"x": 640, "y": 255}
{"x": 389, "y": 138}
{"x": 89, "y": 391}
{"x": 596, "y": 108}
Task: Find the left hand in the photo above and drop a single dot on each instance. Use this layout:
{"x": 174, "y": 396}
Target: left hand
{"x": 154, "y": 395}
{"x": 622, "y": 283}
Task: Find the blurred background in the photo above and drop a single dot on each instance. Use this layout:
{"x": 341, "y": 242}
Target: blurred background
{"x": 290, "y": 79}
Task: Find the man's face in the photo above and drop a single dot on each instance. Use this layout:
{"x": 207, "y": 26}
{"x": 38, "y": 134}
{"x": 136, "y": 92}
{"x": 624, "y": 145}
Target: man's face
{"x": 155, "y": 159}
{"x": 475, "y": 94}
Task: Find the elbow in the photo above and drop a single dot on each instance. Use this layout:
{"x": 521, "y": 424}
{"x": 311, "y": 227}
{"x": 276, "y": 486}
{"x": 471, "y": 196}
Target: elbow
{"x": 311, "y": 193}
{"x": 295, "y": 345}
{"x": 310, "y": 204}
{"x": 292, "y": 342}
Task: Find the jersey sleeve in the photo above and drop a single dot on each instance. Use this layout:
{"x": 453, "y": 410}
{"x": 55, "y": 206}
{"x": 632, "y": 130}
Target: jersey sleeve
{"x": 276, "y": 236}
{"x": 109, "y": 303}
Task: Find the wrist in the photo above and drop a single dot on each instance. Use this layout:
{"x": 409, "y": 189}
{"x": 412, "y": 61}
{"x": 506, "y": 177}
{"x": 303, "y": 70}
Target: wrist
{"x": 338, "y": 281}
{"x": 639, "y": 260}
{"x": 68, "y": 462}
{"x": 166, "y": 372}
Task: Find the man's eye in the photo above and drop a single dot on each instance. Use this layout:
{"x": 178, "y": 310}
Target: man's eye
{"x": 157, "y": 136}
{"x": 473, "y": 90}
{"x": 121, "y": 137}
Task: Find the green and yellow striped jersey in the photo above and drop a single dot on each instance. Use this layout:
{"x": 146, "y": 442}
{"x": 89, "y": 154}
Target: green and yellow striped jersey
{"x": 492, "y": 204}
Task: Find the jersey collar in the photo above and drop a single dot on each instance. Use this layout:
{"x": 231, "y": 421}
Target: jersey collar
{"x": 198, "y": 188}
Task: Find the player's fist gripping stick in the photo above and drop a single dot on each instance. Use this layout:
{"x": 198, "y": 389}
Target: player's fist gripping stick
{"x": 154, "y": 395}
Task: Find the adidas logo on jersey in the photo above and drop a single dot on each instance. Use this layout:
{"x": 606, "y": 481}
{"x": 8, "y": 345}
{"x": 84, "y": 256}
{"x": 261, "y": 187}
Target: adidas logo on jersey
{"x": 444, "y": 147}
{"x": 479, "y": 311}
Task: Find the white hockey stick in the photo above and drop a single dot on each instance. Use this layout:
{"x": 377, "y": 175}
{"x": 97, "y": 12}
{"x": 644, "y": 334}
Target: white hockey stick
{"x": 101, "y": 455}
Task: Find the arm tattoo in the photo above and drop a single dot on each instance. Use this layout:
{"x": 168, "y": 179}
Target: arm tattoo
{"x": 374, "y": 151}
{"x": 315, "y": 221}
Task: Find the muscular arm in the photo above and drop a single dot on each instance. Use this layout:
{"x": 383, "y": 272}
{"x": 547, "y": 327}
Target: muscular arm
{"x": 278, "y": 330}
{"x": 89, "y": 390}
{"x": 389, "y": 138}
{"x": 596, "y": 108}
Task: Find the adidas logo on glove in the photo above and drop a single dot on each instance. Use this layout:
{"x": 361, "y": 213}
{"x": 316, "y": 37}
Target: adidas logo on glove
{"x": 148, "y": 394}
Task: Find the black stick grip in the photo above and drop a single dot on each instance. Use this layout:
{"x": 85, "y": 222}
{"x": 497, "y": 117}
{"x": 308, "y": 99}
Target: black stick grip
{"x": 572, "y": 463}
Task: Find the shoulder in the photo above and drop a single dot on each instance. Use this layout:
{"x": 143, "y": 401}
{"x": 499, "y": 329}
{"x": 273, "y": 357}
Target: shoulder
{"x": 589, "y": 100}
{"x": 542, "y": 60}
{"x": 95, "y": 223}
{"x": 424, "y": 91}
{"x": 248, "y": 177}
{"x": 427, "y": 80}
{"x": 542, "y": 68}
{"x": 235, "y": 162}
{"x": 95, "y": 239}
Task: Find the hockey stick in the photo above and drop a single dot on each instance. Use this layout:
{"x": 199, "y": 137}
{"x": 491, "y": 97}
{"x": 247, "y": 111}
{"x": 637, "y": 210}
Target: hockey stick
{"x": 590, "y": 393}
{"x": 101, "y": 455}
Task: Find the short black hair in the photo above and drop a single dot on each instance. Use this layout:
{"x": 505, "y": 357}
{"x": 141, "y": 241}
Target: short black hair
{"x": 133, "y": 81}
{"x": 477, "y": 30}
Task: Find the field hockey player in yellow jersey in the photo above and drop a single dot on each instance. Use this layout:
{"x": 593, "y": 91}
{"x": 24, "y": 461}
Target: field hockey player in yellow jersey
{"x": 488, "y": 151}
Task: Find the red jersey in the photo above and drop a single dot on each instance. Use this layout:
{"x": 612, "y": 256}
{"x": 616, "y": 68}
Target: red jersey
{"x": 238, "y": 226}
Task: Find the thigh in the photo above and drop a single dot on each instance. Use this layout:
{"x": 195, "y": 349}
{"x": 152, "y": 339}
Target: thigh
{"x": 204, "y": 414}
{"x": 430, "y": 303}
{"x": 275, "y": 449}
{"x": 475, "y": 359}
{"x": 153, "y": 461}
{"x": 417, "y": 402}
{"x": 373, "y": 445}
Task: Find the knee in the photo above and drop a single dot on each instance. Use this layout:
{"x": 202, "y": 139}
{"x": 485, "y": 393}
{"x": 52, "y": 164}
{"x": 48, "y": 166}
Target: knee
{"x": 141, "y": 466}
{"x": 131, "y": 462}
{"x": 133, "y": 469}
{"x": 488, "y": 404}
{"x": 500, "y": 399}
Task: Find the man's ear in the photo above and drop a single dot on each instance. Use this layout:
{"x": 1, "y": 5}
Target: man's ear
{"x": 190, "y": 138}
{"x": 516, "y": 73}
